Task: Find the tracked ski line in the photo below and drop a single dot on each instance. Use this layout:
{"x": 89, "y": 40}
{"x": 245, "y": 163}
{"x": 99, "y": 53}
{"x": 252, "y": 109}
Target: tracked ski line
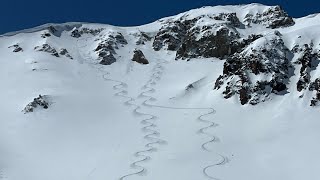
{"x": 150, "y": 122}
{"x": 123, "y": 93}
{"x": 2, "y": 175}
{"x": 155, "y": 77}
{"x": 149, "y": 126}
{"x": 153, "y": 136}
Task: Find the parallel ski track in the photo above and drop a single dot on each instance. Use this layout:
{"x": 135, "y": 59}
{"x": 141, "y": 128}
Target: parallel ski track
{"x": 121, "y": 86}
{"x": 149, "y": 123}
{"x": 155, "y": 77}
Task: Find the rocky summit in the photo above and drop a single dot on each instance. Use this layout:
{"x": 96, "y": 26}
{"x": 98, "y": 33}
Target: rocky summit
{"x": 224, "y": 92}
{"x": 264, "y": 49}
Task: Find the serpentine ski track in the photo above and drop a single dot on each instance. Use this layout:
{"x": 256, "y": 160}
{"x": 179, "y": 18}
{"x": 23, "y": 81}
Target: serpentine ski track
{"x": 158, "y": 70}
{"x": 149, "y": 120}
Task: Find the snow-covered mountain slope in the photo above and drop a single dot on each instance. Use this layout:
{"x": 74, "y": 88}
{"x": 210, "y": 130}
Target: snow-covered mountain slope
{"x": 213, "y": 93}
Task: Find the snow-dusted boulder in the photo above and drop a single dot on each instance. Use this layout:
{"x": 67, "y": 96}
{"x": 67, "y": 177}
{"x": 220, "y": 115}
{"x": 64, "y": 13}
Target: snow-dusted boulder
{"x": 39, "y": 102}
{"x": 107, "y": 46}
{"x": 16, "y": 48}
{"x": 47, "y": 48}
{"x": 315, "y": 86}
{"x": 78, "y": 32}
{"x": 261, "y": 69}
{"x": 139, "y": 57}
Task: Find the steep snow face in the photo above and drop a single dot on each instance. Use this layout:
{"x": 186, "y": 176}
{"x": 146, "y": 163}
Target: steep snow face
{"x": 163, "y": 100}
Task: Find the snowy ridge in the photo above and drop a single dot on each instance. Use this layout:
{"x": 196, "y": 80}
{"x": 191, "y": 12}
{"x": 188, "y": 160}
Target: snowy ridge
{"x": 224, "y": 92}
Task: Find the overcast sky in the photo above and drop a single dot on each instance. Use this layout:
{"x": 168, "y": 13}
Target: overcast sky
{"x": 21, "y": 14}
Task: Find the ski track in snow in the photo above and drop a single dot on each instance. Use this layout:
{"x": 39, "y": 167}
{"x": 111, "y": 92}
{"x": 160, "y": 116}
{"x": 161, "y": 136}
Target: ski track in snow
{"x": 2, "y": 175}
{"x": 157, "y": 76}
{"x": 149, "y": 126}
{"x": 150, "y": 122}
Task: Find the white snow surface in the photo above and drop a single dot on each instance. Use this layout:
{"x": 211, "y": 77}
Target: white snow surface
{"x": 138, "y": 122}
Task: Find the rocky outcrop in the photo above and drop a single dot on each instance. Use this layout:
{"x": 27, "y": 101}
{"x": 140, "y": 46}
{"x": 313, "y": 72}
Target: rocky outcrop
{"x": 211, "y": 41}
{"x": 45, "y": 35}
{"x": 64, "y": 52}
{"x": 107, "y": 58}
{"x": 139, "y": 57}
{"x": 315, "y": 86}
{"x": 143, "y": 38}
{"x": 309, "y": 60}
{"x": 51, "y": 50}
{"x": 16, "y": 48}
{"x": 78, "y": 32}
{"x": 183, "y": 33}
{"x": 210, "y": 35}
{"x": 39, "y": 102}
{"x": 274, "y": 17}
{"x": 171, "y": 35}
{"x": 107, "y": 46}
{"x": 260, "y": 70}
{"x": 47, "y": 48}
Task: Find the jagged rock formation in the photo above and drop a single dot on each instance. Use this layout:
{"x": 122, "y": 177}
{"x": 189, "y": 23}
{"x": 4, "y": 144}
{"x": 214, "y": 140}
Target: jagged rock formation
{"x": 213, "y": 35}
{"x": 45, "y": 35}
{"x": 315, "y": 86}
{"x": 64, "y": 52}
{"x": 143, "y": 38}
{"x": 41, "y": 101}
{"x": 274, "y": 17}
{"x": 308, "y": 61}
{"x": 139, "y": 57}
{"x": 107, "y": 45}
{"x": 266, "y": 52}
{"x": 77, "y": 33}
{"x": 49, "y": 49}
{"x": 266, "y": 59}
{"x": 16, "y": 48}
{"x": 171, "y": 35}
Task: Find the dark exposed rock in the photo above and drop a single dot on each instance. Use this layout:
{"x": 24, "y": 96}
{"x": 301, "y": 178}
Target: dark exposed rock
{"x": 315, "y": 86}
{"x": 107, "y": 58}
{"x": 111, "y": 42}
{"x": 52, "y": 29}
{"x": 308, "y": 63}
{"x": 64, "y": 52}
{"x": 16, "y": 48}
{"x": 193, "y": 38}
{"x": 244, "y": 96}
{"x": 139, "y": 57}
{"x": 269, "y": 60}
{"x": 106, "y": 47}
{"x": 76, "y": 33}
{"x": 230, "y": 17}
{"x": 183, "y": 33}
{"x": 171, "y": 35}
{"x": 143, "y": 37}
{"x": 189, "y": 87}
{"x": 47, "y": 48}
{"x": 45, "y": 35}
{"x": 216, "y": 41}
{"x": 41, "y": 101}
{"x": 274, "y": 17}
{"x": 120, "y": 39}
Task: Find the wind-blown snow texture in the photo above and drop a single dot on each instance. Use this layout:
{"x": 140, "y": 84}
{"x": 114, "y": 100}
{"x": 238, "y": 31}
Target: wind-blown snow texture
{"x": 225, "y": 92}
